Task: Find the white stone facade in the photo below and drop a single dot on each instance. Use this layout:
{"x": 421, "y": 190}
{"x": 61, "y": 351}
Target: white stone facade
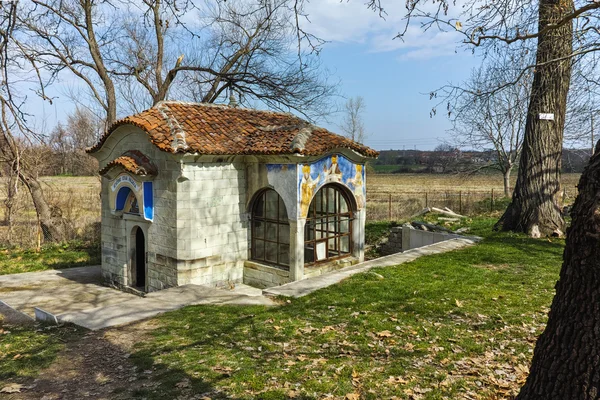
{"x": 200, "y": 230}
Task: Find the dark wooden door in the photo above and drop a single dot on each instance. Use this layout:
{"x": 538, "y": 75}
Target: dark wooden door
{"x": 140, "y": 259}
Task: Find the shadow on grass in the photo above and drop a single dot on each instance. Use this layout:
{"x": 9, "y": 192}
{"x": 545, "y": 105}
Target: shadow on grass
{"x": 249, "y": 352}
{"x": 27, "y": 349}
{"x": 226, "y": 331}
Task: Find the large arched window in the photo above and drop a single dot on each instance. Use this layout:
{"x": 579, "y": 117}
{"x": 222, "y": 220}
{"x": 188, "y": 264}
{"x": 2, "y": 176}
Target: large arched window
{"x": 270, "y": 229}
{"x": 328, "y": 229}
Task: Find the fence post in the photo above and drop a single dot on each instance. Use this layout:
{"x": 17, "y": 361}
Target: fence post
{"x": 426, "y": 201}
{"x": 390, "y": 206}
{"x": 460, "y": 201}
{"x": 39, "y": 235}
{"x": 492, "y": 202}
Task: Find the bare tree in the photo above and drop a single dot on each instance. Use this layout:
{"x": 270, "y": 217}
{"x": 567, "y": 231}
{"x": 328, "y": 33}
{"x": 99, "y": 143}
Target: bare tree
{"x": 565, "y": 363}
{"x": 560, "y": 33}
{"x": 352, "y": 122}
{"x": 485, "y": 118}
{"x": 68, "y": 143}
{"x": 14, "y": 59}
{"x": 131, "y": 53}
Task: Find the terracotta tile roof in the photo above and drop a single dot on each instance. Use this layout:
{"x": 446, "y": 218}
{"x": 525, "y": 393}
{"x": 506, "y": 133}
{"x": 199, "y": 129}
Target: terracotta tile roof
{"x": 133, "y": 161}
{"x": 219, "y": 129}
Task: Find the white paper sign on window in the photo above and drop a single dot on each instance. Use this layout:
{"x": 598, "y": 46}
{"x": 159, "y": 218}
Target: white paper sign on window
{"x": 321, "y": 250}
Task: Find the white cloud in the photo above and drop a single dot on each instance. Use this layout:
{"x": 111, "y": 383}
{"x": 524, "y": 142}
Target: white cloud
{"x": 351, "y": 22}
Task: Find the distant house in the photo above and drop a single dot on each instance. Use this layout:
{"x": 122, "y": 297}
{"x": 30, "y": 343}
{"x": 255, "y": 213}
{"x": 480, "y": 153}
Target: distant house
{"x": 214, "y": 195}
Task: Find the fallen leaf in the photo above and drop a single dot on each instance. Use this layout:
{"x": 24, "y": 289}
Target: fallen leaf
{"x": 458, "y": 303}
{"x": 12, "y": 388}
{"x": 352, "y": 396}
{"x": 397, "y": 380}
{"x": 384, "y": 334}
{"x": 183, "y": 384}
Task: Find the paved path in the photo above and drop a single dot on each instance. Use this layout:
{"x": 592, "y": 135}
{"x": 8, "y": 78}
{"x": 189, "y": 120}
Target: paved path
{"x": 76, "y": 295}
{"x": 306, "y": 286}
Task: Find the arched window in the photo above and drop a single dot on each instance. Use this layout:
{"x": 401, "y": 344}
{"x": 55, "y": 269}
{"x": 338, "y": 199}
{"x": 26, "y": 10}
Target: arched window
{"x": 328, "y": 229}
{"x": 270, "y": 229}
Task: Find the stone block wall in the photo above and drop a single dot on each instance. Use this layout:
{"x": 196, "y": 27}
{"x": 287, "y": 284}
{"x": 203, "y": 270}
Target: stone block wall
{"x": 406, "y": 237}
{"x": 394, "y": 243}
{"x": 161, "y": 242}
{"x": 264, "y": 276}
{"x": 212, "y": 222}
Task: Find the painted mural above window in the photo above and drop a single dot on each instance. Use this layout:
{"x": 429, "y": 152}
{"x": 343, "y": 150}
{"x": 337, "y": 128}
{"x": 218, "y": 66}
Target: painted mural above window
{"x": 332, "y": 169}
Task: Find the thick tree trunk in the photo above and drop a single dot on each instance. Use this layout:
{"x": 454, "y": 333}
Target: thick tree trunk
{"x": 52, "y": 224}
{"x": 534, "y": 208}
{"x": 566, "y": 360}
{"x": 507, "y": 182}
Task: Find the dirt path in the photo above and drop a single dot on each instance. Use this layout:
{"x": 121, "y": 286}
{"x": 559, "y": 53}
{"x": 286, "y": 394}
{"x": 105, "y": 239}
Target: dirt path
{"x": 94, "y": 366}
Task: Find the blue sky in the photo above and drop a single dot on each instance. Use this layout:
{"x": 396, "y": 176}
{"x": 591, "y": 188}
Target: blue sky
{"x": 393, "y": 77}
{"x": 396, "y": 93}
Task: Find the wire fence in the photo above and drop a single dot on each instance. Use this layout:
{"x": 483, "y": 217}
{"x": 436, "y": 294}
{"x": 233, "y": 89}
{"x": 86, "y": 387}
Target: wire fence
{"x": 394, "y": 206}
{"x": 76, "y": 200}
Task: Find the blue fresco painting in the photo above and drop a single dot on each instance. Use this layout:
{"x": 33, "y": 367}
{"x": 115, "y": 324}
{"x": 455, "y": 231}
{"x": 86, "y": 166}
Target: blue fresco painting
{"x": 331, "y": 169}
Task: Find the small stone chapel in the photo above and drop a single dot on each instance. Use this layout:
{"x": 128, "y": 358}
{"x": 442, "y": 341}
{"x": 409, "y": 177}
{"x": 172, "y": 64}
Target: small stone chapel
{"x": 216, "y": 195}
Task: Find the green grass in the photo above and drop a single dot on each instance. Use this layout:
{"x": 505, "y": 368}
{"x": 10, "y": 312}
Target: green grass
{"x": 445, "y": 326}
{"x": 25, "y": 350}
{"x": 55, "y": 256}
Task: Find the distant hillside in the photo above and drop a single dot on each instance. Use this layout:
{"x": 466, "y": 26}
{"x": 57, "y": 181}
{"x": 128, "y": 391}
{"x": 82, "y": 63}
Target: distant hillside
{"x": 455, "y": 160}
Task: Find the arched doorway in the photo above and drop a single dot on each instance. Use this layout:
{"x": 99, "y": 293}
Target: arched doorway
{"x": 138, "y": 259}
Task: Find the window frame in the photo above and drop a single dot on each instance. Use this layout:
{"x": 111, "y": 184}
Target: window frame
{"x": 281, "y": 221}
{"x": 324, "y": 217}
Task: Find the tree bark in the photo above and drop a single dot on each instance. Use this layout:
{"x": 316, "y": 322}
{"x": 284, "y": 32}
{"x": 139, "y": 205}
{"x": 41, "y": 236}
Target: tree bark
{"x": 534, "y": 208}
{"x": 51, "y": 221}
{"x": 507, "y": 182}
{"x": 566, "y": 360}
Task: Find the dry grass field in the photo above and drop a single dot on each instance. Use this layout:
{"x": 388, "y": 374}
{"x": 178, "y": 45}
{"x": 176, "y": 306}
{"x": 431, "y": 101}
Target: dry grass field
{"x": 398, "y": 196}
{"x": 389, "y": 196}
{"x": 77, "y": 199}
{"x": 438, "y": 182}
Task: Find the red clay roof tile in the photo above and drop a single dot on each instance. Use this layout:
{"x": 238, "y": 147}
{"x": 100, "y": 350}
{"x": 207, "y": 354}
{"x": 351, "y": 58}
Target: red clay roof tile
{"x": 219, "y": 129}
{"x": 133, "y": 161}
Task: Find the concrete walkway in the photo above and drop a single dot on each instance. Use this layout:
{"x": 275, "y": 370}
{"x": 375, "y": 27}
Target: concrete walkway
{"x": 76, "y": 295}
{"x": 306, "y": 286}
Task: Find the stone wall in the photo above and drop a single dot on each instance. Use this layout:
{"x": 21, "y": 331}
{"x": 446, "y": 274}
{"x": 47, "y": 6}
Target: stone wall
{"x": 200, "y": 233}
{"x": 264, "y": 276}
{"x": 212, "y": 222}
{"x": 161, "y": 242}
{"x": 394, "y": 242}
{"x": 406, "y": 237}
